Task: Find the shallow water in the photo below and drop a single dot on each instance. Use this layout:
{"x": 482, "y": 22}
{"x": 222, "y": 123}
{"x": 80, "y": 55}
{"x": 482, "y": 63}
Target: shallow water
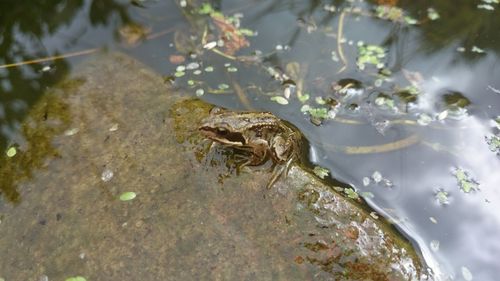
{"x": 456, "y": 53}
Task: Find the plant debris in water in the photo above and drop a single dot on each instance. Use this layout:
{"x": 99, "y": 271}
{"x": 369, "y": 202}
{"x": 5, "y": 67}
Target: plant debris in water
{"x": 370, "y": 54}
{"x": 465, "y": 181}
{"x": 279, "y": 99}
{"x": 493, "y": 143}
{"x": 321, "y": 172}
{"x": 393, "y": 13}
{"x": 488, "y": 4}
{"x": 351, "y": 193}
{"x": 230, "y": 33}
{"x": 11, "y": 152}
{"x": 76, "y": 278}
{"x": 127, "y": 196}
{"x": 442, "y": 197}
{"x": 466, "y": 274}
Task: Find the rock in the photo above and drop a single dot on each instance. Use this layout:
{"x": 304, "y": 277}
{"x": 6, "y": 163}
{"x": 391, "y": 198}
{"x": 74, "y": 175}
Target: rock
{"x": 199, "y": 219}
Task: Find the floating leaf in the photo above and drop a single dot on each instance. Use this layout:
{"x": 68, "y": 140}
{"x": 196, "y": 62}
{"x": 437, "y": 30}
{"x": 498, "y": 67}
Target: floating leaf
{"x": 303, "y": 98}
{"x": 370, "y": 54}
{"x": 442, "y": 197}
{"x": 11, "y": 152}
{"x": 205, "y": 9}
{"x": 476, "y": 49}
{"x": 223, "y": 86}
{"x": 460, "y": 175}
{"x": 200, "y": 92}
{"x": 321, "y": 113}
{"x": 126, "y": 196}
{"x": 351, "y": 193}
{"x": 305, "y": 108}
{"x": 432, "y": 14}
{"x": 465, "y": 182}
{"x": 76, "y": 278}
{"x": 280, "y": 100}
{"x": 468, "y": 186}
{"x": 321, "y": 172}
{"x": 179, "y": 74}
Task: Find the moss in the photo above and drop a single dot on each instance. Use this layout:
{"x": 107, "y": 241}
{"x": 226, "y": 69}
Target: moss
{"x": 48, "y": 119}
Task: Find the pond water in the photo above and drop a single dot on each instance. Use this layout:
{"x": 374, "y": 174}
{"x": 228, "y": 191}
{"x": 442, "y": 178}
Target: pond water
{"x": 399, "y": 99}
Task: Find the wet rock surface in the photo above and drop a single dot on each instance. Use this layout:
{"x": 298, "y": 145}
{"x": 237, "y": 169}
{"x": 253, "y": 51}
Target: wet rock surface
{"x": 114, "y": 126}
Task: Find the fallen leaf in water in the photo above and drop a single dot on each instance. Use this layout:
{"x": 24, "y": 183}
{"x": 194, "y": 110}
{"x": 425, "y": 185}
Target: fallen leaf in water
{"x": 176, "y": 59}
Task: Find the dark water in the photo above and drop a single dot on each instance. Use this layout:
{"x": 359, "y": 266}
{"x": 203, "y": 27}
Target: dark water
{"x": 456, "y": 57}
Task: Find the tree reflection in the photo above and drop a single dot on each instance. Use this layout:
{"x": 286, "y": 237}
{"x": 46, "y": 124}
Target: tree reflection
{"x": 35, "y": 29}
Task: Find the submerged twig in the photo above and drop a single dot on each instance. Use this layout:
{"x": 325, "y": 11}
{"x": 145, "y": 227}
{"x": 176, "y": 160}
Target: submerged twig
{"x": 392, "y": 146}
{"x": 217, "y": 51}
{"x": 241, "y": 95}
{"x": 160, "y": 33}
{"x": 339, "y": 43}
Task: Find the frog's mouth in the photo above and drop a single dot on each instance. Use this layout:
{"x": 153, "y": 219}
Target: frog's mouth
{"x": 223, "y": 136}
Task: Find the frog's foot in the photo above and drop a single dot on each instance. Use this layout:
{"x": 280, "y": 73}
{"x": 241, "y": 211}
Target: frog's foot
{"x": 241, "y": 161}
{"x": 278, "y": 171}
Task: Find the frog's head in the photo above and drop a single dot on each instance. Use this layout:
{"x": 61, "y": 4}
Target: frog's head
{"x": 220, "y": 126}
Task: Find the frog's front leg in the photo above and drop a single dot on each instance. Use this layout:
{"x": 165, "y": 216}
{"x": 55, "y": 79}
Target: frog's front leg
{"x": 283, "y": 154}
{"x": 255, "y": 155}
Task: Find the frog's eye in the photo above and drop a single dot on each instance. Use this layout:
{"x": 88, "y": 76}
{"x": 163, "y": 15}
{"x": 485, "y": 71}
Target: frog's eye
{"x": 215, "y": 110}
{"x": 222, "y": 131}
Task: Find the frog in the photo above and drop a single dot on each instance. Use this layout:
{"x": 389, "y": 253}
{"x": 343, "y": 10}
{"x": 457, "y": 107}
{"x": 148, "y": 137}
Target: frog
{"x": 261, "y": 136}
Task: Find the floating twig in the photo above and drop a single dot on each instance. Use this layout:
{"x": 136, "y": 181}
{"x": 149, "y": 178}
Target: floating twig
{"x": 79, "y": 53}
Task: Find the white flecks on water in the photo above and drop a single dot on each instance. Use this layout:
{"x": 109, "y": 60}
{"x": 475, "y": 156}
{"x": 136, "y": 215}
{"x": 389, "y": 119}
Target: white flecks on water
{"x": 210, "y": 45}
{"x": 107, "y": 175}
{"x": 377, "y": 177}
{"x": 466, "y": 273}
{"x": 434, "y": 245}
{"x": 366, "y": 181}
{"x": 200, "y": 92}
{"x": 71, "y": 132}
{"x": 192, "y": 66}
{"x": 113, "y": 127}
{"x": 11, "y": 152}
